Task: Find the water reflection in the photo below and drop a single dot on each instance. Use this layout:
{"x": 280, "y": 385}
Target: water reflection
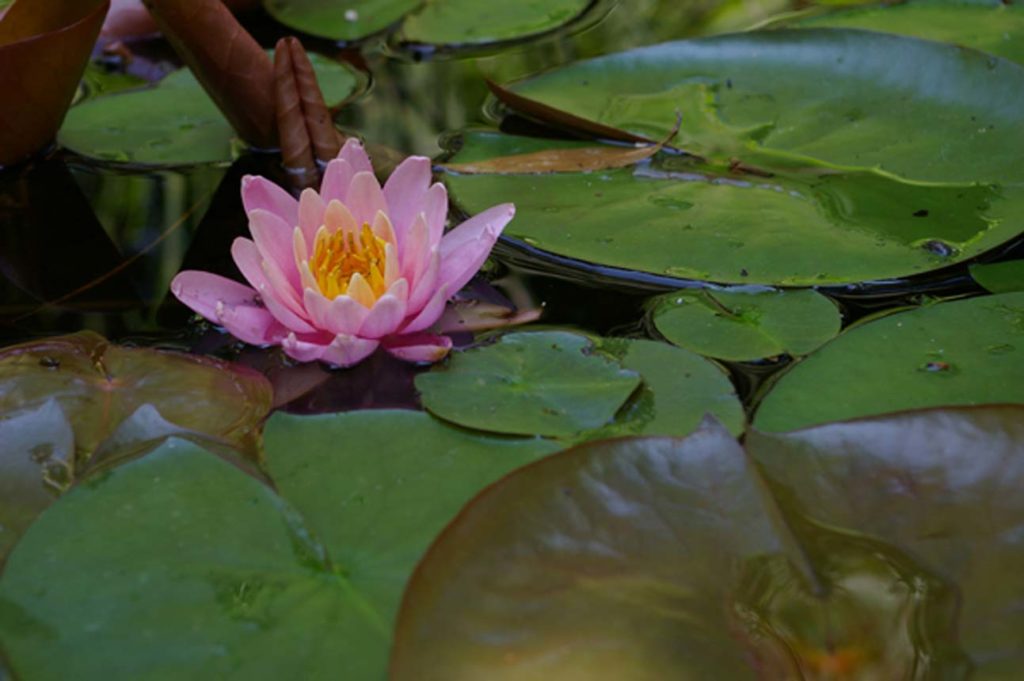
{"x": 871, "y": 613}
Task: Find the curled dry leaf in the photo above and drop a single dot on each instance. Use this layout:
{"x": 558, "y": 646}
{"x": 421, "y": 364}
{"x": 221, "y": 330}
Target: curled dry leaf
{"x": 226, "y": 59}
{"x": 570, "y": 160}
{"x": 44, "y": 48}
{"x": 305, "y": 127}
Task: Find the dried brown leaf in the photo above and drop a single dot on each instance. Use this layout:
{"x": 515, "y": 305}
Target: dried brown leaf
{"x": 325, "y": 137}
{"x": 229, "y": 63}
{"x": 296, "y": 147}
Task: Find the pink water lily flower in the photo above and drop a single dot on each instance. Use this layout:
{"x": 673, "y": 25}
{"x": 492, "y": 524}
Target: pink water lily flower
{"x": 339, "y": 273}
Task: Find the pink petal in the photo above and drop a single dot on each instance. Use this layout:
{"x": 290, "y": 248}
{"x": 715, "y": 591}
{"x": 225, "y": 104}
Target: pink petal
{"x": 259, "y": 193}
{"x": 262, "y": 273}
{"x": 252, "y": 324}
{"x": 435, "y": 208}
{"x": 405, "y": 192}
{"x": 430, "y": 313}
{"x": 303, "y": 351}
{"x": 249, "y": 262}
{"x": 426, "y": 283}
{"x": 365, "y": 198}
{"x": 311, "y": 215}
{"x": 343, "y": 315}
{"x": 384, "y": 318}
{"x": 344, "y": 351}
{"x": 229, "y": 303}
{"x": 415, "y": 248}
{"x": 354, "y": 153}
{"x": 275, "y": 240}
{"x": 465, "y": 248}
{"x": 421, "y": 347}
{"x": 337, "y": 178}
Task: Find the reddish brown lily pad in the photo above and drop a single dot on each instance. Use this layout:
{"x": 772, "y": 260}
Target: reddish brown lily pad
{"x": 65, "y": 398}
{"x": 881, "y": 548}
{"x": 44, "y": 48}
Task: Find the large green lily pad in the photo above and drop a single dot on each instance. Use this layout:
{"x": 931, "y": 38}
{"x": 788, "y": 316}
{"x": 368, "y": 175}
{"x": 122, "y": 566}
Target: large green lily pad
{"x": 746, "y": 325}
{"x": 471, "y": 22}
{"x": 678, "y": 218}
{"x": 859, "y": 549}
{"x": 914, "y": 109}
{"x": 178, "y": 563}
{"x": 964, "y": 352}
{"x": 993, "y": 26}
{"x": 173, "y": 122}
{"x": 545, "y": 383}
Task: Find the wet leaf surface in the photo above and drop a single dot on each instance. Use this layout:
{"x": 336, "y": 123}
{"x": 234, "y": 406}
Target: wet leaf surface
{"x": 963, "y": 352}
{"x": 626, "y": 558}
{"x": 171, "y": 123}
{"x": 677, "y": 217}
{"x": 544, "y": 383}
{"x": 737, "y": 325}
{"x": 183, "y": 549}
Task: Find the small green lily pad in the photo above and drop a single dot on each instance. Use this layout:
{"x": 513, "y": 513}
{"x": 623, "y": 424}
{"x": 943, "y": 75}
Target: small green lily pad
{"x": 964, "y": 352}
{"x": 541, "y": 383}
{"x": 173, "y": 122}
{"x": 679, "y": 389}
{"x": 1000, "y": 277}
{"x": 742, "y": 326}
{"x": 471, "y": 22}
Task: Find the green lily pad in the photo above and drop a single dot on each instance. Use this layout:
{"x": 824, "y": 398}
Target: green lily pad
{"x": 859, "y": 546}
{"x": 179, "y": 563}
{"x": 543, "y": 383}
{"x": 346, "y": 20}
{"x": 740, "y": 326}
{"x": 679, "y": 389}
{"x": 964, "y": 352}
{"x": 1000, "y": 277}
{"x": 992, "y": 26}
{"x": 463, "y": 22}
{"x": 913, "y": 109}
{"x": 437, "y": 22}
{"x": 677, "y": 218}
{"x": 173, "y": 122}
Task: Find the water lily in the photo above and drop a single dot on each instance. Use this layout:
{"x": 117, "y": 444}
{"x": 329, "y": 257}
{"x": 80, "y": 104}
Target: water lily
{"x": 353, "y": 267}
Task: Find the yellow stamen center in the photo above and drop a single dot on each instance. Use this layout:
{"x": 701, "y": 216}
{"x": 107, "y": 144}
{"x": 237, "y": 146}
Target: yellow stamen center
{"x": 339, "y": 256}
